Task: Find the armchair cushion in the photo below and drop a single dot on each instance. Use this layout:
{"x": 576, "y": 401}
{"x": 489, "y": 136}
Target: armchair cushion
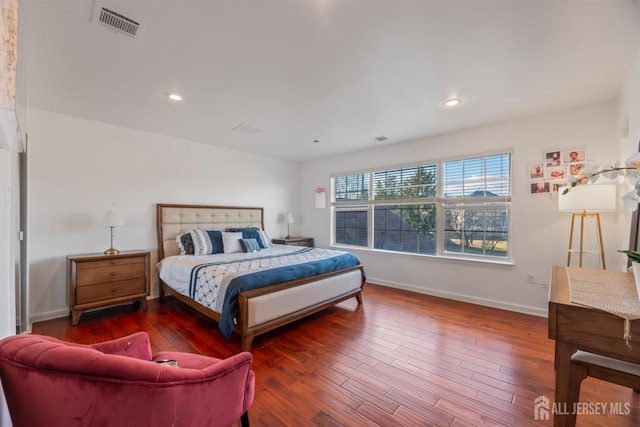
{"x": 137, "y": 346}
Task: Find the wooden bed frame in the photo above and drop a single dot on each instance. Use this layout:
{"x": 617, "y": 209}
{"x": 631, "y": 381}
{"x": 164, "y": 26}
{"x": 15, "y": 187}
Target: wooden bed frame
{"x": 173, "y": 219}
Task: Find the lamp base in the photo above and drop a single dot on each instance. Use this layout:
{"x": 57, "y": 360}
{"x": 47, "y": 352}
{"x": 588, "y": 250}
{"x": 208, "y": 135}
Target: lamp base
{"x": 288, "y": 237}
{"x": 111, "y": 251}
{"x": 582, "y": 216}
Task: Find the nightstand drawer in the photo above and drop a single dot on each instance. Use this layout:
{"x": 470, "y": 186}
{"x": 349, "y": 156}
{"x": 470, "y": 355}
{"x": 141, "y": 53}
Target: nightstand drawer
{"x": 109, "y": 273}
{"x": 299, "y": 243}
{"x": 295, "y": 241}
{"x": 104, "y": 291}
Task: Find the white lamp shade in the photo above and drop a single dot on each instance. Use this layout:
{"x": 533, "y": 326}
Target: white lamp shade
{"x": 589, "y": 198}
{"x": 112, "y": 218}
{"x": 289, "y": 218}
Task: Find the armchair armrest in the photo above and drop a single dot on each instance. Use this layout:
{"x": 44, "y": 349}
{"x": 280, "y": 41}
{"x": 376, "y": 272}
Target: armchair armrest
{"x": 136, "y": 346}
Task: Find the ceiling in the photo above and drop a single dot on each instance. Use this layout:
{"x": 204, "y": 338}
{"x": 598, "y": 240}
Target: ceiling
{"x": 286, "y": 73}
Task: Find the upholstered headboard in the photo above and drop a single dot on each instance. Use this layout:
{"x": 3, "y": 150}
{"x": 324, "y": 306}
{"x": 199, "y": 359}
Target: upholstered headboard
{"x": 175, "y": 219}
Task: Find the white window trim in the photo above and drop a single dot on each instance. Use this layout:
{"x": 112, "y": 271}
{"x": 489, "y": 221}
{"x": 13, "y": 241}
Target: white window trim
{"x": 440, "y": 202}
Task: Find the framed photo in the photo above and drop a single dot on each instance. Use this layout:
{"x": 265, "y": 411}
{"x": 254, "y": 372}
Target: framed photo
{"x": 539, "y": 188}
{"x": 556, "y": 173}
{"x": 573, "y": 156}
{"x": 536, "y": 170}
{"x": 555, "y": 186}
{"x": 575, "y": 168}
{"x": 552, "y": 158}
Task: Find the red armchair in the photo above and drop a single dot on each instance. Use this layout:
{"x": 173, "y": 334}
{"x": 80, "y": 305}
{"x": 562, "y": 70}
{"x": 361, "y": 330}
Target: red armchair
{"x": 48, "y": 382}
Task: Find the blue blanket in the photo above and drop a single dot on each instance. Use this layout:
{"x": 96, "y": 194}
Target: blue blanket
{"x": 271, "y": 276}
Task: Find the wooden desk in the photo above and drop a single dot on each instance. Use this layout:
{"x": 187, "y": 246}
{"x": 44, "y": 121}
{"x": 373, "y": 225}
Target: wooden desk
{"x": 575, "y": 327}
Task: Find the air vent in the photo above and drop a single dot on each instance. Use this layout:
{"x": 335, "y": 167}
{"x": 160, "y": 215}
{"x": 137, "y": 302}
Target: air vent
{"x": 249, "y": 130}
{"x": 117, "y": 21}
{"x": 381, "y": 139}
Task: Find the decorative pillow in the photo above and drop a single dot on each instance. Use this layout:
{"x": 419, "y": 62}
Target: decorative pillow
{"x": 264, "y": 239}
{"x": 216, "y": 241}
{"x": 201, "y": 242}
{"x": 248, "y": 233}
{"x": 231, "y": 242}
{"x": 185, "y": 243}
{"x": 249, "y": 245}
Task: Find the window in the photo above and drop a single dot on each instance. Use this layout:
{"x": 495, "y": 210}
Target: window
{"x": 455, "y": 207}
{"x": 351, "y": 220}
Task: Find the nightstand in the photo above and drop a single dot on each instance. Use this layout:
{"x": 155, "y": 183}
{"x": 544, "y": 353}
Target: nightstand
{"x": 99, "y": 280}
{"x": 295, "y": 241}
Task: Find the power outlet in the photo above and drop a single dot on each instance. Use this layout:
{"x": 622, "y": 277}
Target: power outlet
{"x": 531, "y": 278}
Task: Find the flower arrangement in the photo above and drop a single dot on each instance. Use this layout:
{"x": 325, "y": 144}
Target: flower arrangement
{"x": 630, "y": 170}
{"x": 320, "y": 190}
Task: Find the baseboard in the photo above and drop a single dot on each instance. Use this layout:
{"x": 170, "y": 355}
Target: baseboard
{"x": 462, "y": 297}
{"x": 56, "y": 314}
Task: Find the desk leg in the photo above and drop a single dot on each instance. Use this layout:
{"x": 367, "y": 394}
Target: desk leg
{"x": 566, "y": 396}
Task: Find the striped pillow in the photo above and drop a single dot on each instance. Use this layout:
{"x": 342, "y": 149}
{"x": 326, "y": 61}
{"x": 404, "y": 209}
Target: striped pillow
{"x": 249, "y": 245}
{"x": 264, "y": 239}
{"x": 201, "y": 242}
{"x": 248, "y": 233}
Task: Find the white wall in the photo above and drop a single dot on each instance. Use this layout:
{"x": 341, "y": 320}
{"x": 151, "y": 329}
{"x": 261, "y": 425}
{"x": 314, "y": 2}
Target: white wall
{"x": 629, "y": 126}
{"x": 78, "y": 168}
{"x": 8, "y": 242}
{"x": 539, "y": 232}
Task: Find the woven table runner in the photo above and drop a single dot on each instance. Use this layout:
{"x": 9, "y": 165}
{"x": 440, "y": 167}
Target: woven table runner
{"x": 611, "y": 291}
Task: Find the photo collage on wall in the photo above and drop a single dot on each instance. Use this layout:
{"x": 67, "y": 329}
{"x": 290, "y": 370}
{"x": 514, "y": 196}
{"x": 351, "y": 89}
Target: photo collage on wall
{"x": 551, "y": 173}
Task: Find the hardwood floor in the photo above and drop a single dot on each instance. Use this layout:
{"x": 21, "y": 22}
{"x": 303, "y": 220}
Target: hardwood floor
{"x": 399, "y": 359}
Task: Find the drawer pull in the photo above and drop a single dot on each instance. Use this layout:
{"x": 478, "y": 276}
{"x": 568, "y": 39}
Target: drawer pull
{"x": 113, "y": 291}
{"x": 113, "y": 273}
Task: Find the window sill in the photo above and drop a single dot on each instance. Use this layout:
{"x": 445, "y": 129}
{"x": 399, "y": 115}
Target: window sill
{"x": 444, "y": 257}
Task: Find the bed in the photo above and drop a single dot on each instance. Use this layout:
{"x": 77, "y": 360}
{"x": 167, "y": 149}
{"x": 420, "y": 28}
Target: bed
{"x": 253, "y": 303}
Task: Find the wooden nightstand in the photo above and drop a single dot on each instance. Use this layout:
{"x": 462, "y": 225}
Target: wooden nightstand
{"x": 295, "y": 241}
{"x": 99, "y": 280}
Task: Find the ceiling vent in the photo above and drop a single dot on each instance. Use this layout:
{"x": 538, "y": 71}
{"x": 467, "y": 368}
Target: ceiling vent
{"x": 381, "y": 139}
{"x": 116, "y": 21}
{"x": 249, "y": 130}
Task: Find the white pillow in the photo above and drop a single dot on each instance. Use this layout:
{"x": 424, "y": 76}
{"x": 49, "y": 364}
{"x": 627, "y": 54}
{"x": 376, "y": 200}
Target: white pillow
{"x": 231, "y": 242}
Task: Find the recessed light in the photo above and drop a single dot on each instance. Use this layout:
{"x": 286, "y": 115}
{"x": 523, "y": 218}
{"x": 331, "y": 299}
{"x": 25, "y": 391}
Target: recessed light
{"x": 452, "y": 102}
{"x": 174, "y": 97}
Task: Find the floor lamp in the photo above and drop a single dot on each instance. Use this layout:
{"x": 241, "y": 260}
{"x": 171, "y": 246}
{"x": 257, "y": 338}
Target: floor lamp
{"x": 584, "y": 201}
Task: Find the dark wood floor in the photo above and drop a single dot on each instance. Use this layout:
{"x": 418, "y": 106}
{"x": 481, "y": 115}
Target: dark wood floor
{"x": 399, "y": 359}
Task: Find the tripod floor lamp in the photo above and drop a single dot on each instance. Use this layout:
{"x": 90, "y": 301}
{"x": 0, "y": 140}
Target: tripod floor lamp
{"x": 587, "y": 201}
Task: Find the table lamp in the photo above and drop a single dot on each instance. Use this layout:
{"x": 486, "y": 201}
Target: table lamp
{"x": 112, "y": 219}
{"x": 289, "y": 220}
{"x": 587, "y": 200}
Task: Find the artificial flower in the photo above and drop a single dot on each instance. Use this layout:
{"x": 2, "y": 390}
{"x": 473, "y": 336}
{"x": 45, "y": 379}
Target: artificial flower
{"x": 630, "y": 170}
